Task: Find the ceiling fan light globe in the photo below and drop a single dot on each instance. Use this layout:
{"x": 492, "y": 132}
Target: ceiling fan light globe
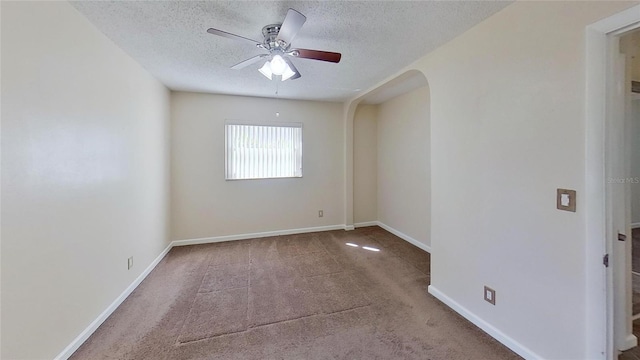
{"x": 266, "y": 70}
{"x": 278, "y": 65}
{"x": 288, "y": 73}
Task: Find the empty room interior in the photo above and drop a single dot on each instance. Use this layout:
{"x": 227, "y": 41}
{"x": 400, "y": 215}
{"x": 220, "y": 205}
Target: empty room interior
{"x": 320, "y": 180}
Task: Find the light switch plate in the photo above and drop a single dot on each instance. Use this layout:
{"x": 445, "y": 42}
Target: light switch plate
{"x": 566, "y": 200}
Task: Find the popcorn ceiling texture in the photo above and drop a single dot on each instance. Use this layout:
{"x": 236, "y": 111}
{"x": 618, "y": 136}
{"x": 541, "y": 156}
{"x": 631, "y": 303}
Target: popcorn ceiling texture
{"x": 376, "y": 39}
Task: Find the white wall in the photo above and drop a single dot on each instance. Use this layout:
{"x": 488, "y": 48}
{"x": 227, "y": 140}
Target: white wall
{"x": 205, "y": 205}
{"x": 365, "y": 164}
{"x": 84, "y": 175}
{"x": 404, "y": 164}
{"x": 508, "y": 129}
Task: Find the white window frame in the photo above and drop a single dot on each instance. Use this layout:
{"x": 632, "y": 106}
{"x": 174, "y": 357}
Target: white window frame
{"x": 298, "y": 125}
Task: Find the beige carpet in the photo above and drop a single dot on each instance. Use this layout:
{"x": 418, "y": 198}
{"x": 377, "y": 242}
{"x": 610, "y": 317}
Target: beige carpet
{"x": 307, "y": 296}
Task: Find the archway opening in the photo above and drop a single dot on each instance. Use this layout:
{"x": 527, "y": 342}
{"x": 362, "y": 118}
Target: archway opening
{"x": 391, "y": 158}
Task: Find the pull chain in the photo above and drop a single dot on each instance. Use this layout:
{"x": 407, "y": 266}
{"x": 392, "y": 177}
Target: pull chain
{"x": 277, "y": 98}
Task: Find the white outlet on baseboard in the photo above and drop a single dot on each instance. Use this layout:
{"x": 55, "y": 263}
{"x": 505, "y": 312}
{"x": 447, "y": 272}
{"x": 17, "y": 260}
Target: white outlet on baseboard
{"x": 320, "y": 213}
{"x": 129, "y": 263}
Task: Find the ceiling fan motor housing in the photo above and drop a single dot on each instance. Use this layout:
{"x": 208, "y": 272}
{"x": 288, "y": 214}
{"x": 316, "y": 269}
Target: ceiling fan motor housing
{"x": 270, "y": 33}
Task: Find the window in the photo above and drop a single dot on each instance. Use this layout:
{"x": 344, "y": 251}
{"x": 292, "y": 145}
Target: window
{"x": 263, "y": 151}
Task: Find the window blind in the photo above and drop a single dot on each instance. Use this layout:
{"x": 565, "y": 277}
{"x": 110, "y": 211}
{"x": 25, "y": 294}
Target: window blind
{"x": 263, "y": 151}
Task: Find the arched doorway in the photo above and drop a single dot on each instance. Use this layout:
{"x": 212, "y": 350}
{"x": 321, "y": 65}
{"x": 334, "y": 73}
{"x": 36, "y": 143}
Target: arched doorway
{"x": 391, "y": 158}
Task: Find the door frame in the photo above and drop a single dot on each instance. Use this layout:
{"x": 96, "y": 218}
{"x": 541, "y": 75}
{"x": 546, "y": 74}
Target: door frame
{"x": 600, "y": 301}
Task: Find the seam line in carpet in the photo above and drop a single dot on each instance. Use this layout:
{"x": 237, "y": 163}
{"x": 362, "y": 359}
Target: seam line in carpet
{"x": 180, "y": 343}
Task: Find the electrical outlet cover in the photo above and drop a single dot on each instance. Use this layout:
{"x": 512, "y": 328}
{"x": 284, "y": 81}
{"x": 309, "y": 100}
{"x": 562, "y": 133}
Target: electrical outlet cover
{"x": 489, "y": 295}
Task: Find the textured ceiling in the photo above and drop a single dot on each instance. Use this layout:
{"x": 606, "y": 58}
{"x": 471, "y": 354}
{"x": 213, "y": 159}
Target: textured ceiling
{"x": 376, "y": 39}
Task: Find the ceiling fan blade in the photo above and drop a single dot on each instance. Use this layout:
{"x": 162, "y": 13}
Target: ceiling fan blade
{"x": 290, "y": 26}
{"x": 317, "y": 55}
{"x": 293, "y": 68}
{"x": 249, "y": 61}
{"x": 230, "y": 35}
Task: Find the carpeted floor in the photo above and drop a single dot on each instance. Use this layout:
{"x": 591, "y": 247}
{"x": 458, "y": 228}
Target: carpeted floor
{"x": 306, "y": 296}
{"x": 635, "y": 299}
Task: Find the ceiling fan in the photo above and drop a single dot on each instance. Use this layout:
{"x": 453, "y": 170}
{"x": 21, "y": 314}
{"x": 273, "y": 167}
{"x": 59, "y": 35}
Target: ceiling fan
{"x": 277, "y": 41}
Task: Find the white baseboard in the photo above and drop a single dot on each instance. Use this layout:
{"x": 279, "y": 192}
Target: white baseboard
{"x": 635, "y": 225}
{"x": 257, "y": 235}
{"x": 485, "y": 326}
{"x": 630, "y": 342}
{"x": 84, "y": 335}
{"x": 405, "y": 237}
{"x": 365, "y": 224}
